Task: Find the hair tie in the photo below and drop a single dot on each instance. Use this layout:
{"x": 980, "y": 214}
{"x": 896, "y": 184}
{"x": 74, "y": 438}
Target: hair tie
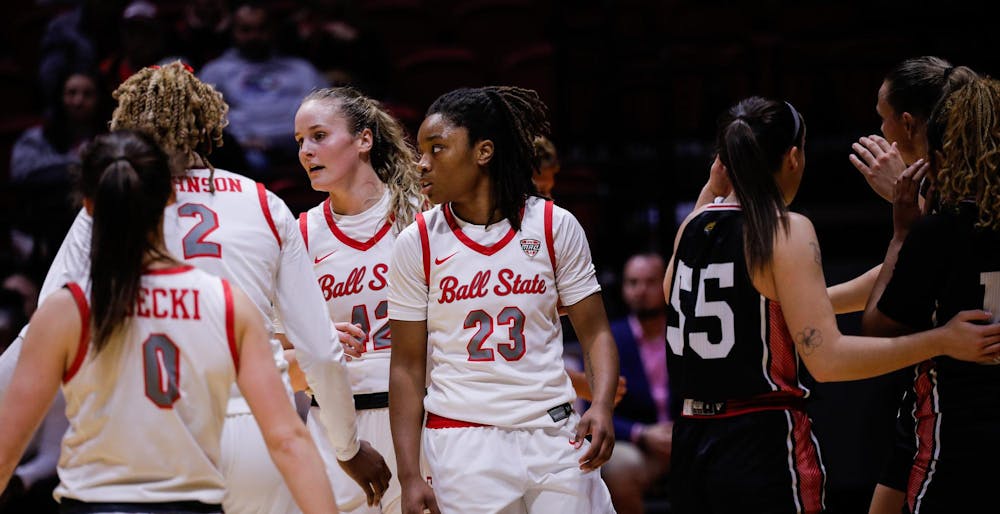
{"x": 947, "y": 73}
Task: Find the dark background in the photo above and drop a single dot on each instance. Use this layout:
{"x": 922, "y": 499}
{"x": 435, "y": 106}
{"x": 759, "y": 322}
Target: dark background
{"x": 635, "y": 88}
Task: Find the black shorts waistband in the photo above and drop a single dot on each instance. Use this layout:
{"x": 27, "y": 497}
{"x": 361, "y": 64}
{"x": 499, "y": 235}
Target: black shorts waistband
{"x": 726, "y": 408}
{"x": 71, "y": 506}
{"x": 365, "y": 401}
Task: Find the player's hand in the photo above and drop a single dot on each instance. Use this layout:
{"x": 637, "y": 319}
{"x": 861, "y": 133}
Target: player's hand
{"x": 596, "y": 423}
{"x": 369, "y": 470}
{"x": 418, "y": 498}
{"x": 971, "y": 336}
{"x": 352, "y": 338}
{"x": 879, "y": 162}
{"x": 906, "y": 201}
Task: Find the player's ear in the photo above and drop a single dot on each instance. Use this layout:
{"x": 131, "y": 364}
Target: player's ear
{"x": 483, "y": 152}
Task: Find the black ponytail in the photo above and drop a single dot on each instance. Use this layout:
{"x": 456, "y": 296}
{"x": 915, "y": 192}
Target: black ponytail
{"x": 127, "y": 176}
{"x": 752, "y": 140}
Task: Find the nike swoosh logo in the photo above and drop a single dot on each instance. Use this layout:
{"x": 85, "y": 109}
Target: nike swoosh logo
{"x": 318, "y": 260}
{"x": 441, "y": 261}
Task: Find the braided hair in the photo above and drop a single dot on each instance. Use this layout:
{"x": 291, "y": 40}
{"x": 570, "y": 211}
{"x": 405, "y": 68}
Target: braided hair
{"x": 963, "y": 136}
{"x": 184, "y": 115}
{"x": 510, "y": 117}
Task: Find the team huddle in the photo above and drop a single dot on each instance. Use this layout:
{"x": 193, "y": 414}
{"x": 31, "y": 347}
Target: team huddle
{"x": 420, "y": 305}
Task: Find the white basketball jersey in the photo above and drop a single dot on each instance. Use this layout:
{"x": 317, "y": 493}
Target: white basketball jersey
{"x": 230, "y": 233}
{"x": 146, "y": 413}
{"x": 489, "y": 296}
{"x": 351, "y": 261}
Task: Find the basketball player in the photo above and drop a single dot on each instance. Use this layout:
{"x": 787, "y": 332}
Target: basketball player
{"x": 906, "y": 98}
{"x": 147, "y": 360}
{"x": 231, "y": 226}
{"x": 474, "y": 286}
{"x": 949, "y": 261}
{"x": 356, "y": 152}
{"x": 746, "y": 275}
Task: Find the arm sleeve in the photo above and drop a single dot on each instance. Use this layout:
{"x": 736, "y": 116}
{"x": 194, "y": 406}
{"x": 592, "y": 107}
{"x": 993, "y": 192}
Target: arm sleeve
{"x": 72, "y": 261}
{"x": 300, "y": 307}
{"x": 407, "y": 286}
{"x": 576, "y": 277}
{"x": 909, "y": 298}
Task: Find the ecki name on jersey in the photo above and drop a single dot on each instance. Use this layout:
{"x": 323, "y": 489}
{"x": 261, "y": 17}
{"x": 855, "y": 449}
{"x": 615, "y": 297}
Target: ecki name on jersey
{"x": 508, "y": 283}
{"x": 355, "y": 282}
{"x": 166, "y": 303}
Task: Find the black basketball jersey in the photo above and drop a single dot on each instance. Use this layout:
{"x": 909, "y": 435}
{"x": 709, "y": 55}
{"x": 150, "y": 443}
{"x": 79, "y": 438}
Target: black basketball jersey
{"x": 727, "y": 341}
{"x": 946, "y": 265}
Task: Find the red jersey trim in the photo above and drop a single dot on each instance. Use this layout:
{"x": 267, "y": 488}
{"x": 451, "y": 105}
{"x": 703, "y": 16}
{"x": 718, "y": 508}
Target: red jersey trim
{"x": 550, "y": 243}
{"x": 425, "y": 246}
{"x": 782, "y": 366}
{"x": 927, "y": 419}
{"x": 181, "y": 268}
{"x": 807, "y": 472}
{"x": 227, "y": 292}
{"x": 435, "y": 421}
{"x": 347, "y": 240}
{"x": 467, "y": 241}
{"x": 304, "y": 228}
{"x": 83, "y": 345}
{"x": 262, "y": 196}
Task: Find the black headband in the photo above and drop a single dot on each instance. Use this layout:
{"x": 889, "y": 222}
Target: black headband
{"x": 797, "y": 118}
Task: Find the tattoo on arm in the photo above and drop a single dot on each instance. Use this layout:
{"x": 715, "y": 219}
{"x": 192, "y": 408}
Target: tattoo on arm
{"x": 816, "y": 253}
{"x": 810, "y": 338}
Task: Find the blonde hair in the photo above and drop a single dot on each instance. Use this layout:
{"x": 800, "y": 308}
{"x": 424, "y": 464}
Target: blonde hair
{"x": 392, "y": 157}
{"x": 184, "y": 115}
{"x": 965, "y": 129}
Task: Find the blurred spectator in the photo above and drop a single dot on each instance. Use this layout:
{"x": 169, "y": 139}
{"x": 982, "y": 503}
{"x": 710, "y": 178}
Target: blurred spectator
{"x": 12, "y": 315}
{"x": 202, "y": 31}
{"x": 335, "y": 37}
{"x": 548, "y": 165}
{"x": 143, "y": 43}
{"x": 79, "y": 38}
{"x": 43, "y": 154}
{"x": 263, "y": 90}
{"x": 643, "y": 426}
{"x": 41, "y": 160}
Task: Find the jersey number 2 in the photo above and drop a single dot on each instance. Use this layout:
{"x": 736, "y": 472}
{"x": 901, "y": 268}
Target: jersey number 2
{"x": 194, "y": 241}
{"x": 161, "y": 360}
{"x": 699, "y": 341}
